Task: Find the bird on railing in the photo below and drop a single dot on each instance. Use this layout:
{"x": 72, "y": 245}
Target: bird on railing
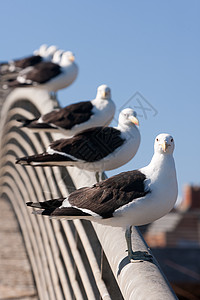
{"x": 47, "y": 75}
{"x": 56, "y": 59}
{"x": 76, "y": 117}
{"x": 128, "y": 199}
{"x": 44, "y": 53}
{"x": 96, "y": 149}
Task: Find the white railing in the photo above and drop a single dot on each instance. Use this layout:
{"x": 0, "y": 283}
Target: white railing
{"x": 69, "y": 260}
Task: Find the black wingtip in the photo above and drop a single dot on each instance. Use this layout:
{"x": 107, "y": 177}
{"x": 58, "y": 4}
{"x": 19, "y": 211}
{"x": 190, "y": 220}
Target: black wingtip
{"x": 17, "y": 161}
{"x": 33, "y": 204}
{"x": 20, "y": 120}
{"x": 25, "y": 122}
{"x": 22, "y": 161}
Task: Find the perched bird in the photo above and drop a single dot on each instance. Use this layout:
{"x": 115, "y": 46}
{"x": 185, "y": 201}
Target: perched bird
{"x": 48, "y": 75}
{"x": 128, "y": 199}
{"x": 96, "y": 149}
{"x": 57, "y": 56}
{"x": 43, "y": 54}
{"x": 42, "y": 50}
{"x": 76, "y": 117}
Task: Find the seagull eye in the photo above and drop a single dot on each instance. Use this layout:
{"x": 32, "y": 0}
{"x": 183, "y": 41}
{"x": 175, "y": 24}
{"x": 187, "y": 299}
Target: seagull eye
{"x": 157, "y": 140}
{"x": 172, "y": 140}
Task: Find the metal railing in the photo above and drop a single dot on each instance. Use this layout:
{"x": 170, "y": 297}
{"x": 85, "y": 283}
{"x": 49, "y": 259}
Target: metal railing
{"x": 69, "y": 259}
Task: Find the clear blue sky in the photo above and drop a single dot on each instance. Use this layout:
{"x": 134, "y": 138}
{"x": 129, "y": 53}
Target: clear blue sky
{"x": 150, "y": 47}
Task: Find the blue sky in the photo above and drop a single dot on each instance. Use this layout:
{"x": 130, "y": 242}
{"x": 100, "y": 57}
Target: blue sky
{"x": 150, "y": 47}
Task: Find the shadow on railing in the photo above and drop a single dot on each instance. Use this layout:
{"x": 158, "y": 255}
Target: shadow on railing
{"x": 69, "y": 259}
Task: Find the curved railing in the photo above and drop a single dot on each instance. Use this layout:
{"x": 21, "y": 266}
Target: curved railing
{"x": 69, "y": 259}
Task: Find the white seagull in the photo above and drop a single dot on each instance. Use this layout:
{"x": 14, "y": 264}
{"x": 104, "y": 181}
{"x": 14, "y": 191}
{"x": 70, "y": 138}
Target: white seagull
{"x": 57, "y": 56}
{"x": 128, "y": 199}
{"x": 47, "y": 74}
{"x": 76, "y": 117}
{"x": 43, "y": 54}
{"x": 96, "y": 149}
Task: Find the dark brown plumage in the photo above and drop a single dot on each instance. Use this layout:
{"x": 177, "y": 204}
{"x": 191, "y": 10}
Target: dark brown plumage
{"x": 65, "y": 118}
{"x": 27, "y": 61}
{"x": 19, "y": 64}
{"x": 90, "y": 145}
{"x": 70, "y": 115}
{"x": 40, "y": 74}
{"x": 103, "y": 198}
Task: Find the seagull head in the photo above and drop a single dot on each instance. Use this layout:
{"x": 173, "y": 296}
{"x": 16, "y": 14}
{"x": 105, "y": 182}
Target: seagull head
{"x": 128, "y": 117}
{"x": 104, "y": 92}
{"x": 41, "y": 51}
{"x": 164, "y": 144}
{"x": 57, "y": 56}
{"x": 67, "y": 57}
{"x": 50, "y": 51}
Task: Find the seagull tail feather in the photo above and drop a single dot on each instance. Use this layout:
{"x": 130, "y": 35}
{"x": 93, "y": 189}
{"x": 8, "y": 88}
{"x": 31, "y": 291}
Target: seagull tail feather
{"x": 54, "y": 203}
{"x": 25, "y": 122}
{"x": 43, "y": 159}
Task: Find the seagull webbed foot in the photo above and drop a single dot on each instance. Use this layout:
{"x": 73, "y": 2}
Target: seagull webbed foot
{"x": 139, "y": 256}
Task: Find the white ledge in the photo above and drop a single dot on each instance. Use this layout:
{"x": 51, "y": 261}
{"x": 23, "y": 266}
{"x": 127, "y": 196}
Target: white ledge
{"x": 138, "y": 280}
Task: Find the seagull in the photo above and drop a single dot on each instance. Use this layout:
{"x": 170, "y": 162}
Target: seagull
{"x": 43, "y": 54}
{"x": 57, "y": 56}
{"x": 48, "y": 75}
{"x": 95, "y": 149}
{"x": 76, "y": 117}
{"x": 128, "y": 199}
{"x": 41, "y": 51}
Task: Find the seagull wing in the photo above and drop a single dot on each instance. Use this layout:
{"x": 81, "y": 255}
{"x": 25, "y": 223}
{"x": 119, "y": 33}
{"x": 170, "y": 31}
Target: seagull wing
{"x": 90, "y": 145}
{"x": 42, "y": 72}
{"x": 103, "y": 199}
{"x": 70, "y": 115}
{"x": 27, "y": 61}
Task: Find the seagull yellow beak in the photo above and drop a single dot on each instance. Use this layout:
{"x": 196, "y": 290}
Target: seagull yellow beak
{"x": 164, "y": 146}
{"x": 72, "y": 58}
{"x": 105, "y": 94}
{"x": 134, "y": 120}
